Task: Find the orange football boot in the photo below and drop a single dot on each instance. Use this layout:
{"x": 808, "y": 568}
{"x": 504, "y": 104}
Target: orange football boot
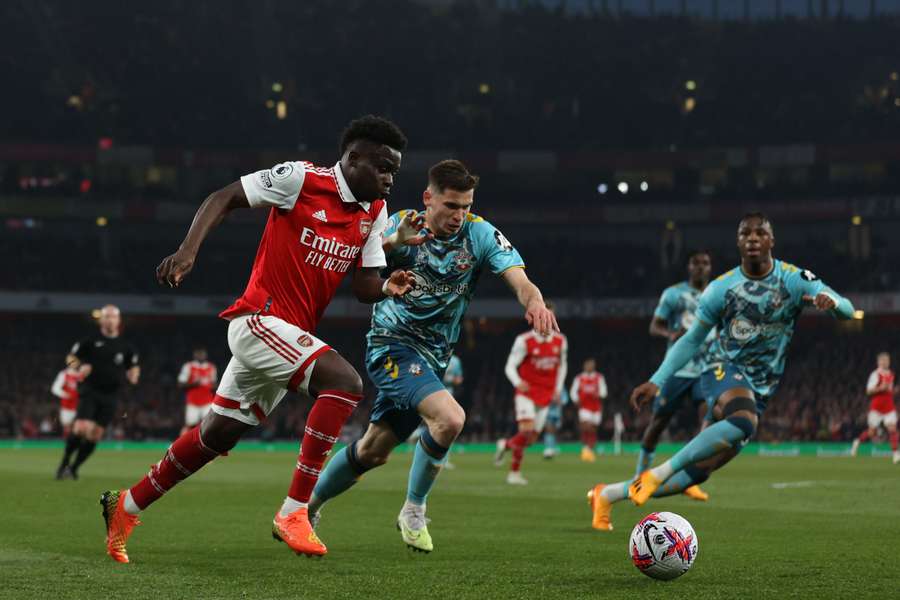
{"x": 119, "y": 524}
{"x": 643, "y": 487}
{"x": 296, "y": 531}
{"x": 694, "y": 492}
{"x": 601, "y": 507}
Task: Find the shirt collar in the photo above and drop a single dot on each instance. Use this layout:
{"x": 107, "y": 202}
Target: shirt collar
{"x": 344, "y": 189}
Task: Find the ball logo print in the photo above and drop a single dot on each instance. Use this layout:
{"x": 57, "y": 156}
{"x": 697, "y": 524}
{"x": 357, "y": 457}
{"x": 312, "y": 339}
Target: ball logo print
{"x": 663, "y": 545}
{"x": 282, "y": 171}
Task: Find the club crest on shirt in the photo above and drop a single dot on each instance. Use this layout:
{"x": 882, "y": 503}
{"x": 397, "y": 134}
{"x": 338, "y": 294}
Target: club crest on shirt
{"x": 365, "y": 226}
{"x": 305, "y": 341}
{"x": 463, "y": 260}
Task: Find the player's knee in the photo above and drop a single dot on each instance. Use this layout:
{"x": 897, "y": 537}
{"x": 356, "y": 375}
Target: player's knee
{"x": 741, "y": 412}
{"x": 455, "y": 420}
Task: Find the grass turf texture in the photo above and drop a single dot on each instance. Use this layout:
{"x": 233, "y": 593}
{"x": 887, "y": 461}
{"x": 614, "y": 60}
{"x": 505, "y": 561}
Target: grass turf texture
{"x": 830, "y": 532}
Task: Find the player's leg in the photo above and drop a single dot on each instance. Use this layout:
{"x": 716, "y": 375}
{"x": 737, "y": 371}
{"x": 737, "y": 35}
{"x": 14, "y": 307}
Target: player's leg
{"x": 665, "y": 405}
{"x": 349, "y": 464}
{"x": 588, "y": 421}
{"x": 66, "y": 419}
{"x": 88, "y": 406}
{"x": 550, "y": 448}
{"x": 890, "y": 425}
{"x": 739, "y": 411}
{"x": 873, "y": 420}
{"x": 530, "y": 421}
{"x": 93, "y": 433}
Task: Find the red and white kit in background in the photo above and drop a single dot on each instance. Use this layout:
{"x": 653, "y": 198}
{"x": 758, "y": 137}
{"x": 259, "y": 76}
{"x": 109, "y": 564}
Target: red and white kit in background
{"x": 589, "y": 389}
{"x": 540, "y": 362}
{"x": 200, "y": 379}
{"x": 65, "y": 387}
{"x": 317, "y": 232}
{"x": 881, "y": 407}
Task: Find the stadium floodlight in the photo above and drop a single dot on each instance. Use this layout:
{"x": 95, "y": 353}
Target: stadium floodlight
{"x": 602, "y": 188}
{"x": 623, "y": 187}
{"x": 645, "y": 186}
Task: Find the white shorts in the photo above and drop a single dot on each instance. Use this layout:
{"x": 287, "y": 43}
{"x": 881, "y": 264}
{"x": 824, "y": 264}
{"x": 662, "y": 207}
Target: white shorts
{"x": 193, "y": 414}
{"x": 527, "y": 411}
{"x": 269, "y": 357}
{"x": 886, "y": 419}
{"x": 594, "y": 417}
{"x": 66, "y": 416}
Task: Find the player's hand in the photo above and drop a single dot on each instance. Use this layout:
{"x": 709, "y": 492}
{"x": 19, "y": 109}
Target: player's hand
{"x": 399, "y": 283}
{"x": 523, "y": 387}
{"x": 84, "y": 370}
{"x": 822, "y": 301}
{"x": 408, "y": 231}
{"x": 174, "y": 268}
{"x": 541, "y": 318}
{"x": 677, "y": 334}
{"x": 643, "y": 394}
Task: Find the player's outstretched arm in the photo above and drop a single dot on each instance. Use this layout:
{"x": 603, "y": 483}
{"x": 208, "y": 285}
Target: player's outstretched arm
{"x": 529, "y": 296}
{"x": 369, "y": 287}
{"x": 175, "y": 267}
{"x": 407, "y": 232}
{"x": 677, "y": 356}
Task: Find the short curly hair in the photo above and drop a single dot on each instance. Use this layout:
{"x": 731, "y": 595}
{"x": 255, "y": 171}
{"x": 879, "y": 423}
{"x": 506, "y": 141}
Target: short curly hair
{"x": 374, "y": 129}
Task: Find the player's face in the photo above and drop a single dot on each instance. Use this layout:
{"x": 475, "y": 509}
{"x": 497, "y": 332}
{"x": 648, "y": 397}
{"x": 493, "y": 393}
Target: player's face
{"x": 884, "y": 361}
{"x": 110, "y": 320}
{"x": 755, "y": 239}
{"x": 699, "y": 267}
{"x": 370, "y": 170}
{"x": 590, "y": 366}
{"x": 445, "y": 212}
{"x": 200, "y": 355}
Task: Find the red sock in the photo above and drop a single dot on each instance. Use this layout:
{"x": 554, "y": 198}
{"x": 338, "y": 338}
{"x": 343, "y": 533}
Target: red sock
{"x": 586, "y": 439}
{"x": 864, "y": 436}
{"x": 894, "y": 435}
{"x": 323, "y": 427}
{"x": 183, "y": 458}
{"x": 592, "y": 439}
{"x": 517, "y": 444}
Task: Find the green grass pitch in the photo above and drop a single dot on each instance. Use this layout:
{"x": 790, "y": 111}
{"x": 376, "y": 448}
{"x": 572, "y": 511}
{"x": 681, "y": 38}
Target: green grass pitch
{"x": 828, "y": 530}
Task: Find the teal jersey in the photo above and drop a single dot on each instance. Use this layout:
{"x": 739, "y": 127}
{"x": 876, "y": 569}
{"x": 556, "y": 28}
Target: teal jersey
{"x": 756, "y": 318}
{"x": 446, "y": 272}
{"x": 454, "y": 370}
{"x": 676, "y": 307}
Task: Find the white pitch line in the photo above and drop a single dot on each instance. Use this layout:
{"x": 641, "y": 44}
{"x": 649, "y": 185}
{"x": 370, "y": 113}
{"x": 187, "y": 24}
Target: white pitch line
{"x": 793, "y": 484}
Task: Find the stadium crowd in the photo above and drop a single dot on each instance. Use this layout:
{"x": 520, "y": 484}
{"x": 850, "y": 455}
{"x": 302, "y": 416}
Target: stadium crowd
{"x": 822, "y": 397}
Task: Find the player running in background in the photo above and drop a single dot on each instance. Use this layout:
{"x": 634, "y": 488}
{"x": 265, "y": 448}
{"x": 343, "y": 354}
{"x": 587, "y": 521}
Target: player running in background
{"x": 755, "y": 307}
{"x": 412, "y": 338}
{"x": 880, "y": 388}
{"x": 536, "y": 368}
{"x": 323, "y": 224}
{"x": 65, "y": 387}
{"x": 589, "y": 387}
{"x": 198, "y": 377}
{"x": 101, "y": 359}
{"x": 673, "y": 316}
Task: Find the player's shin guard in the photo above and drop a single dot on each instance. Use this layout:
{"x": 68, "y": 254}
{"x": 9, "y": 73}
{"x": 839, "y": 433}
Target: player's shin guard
{"x": 339, "y": 475}
{"x": 428, "y": 460}
{"x": 517, "y": 444}
{"x": 680, "y": 481}
{"x": 893, "y": 438}
{"x": 323, "y": 427}
{"x": 184, "y": 457}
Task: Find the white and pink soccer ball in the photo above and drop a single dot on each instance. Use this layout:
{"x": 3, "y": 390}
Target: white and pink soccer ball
{"x": 663, "y": 545}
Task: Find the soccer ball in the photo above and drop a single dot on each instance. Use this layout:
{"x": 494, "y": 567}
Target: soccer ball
{"x": 663, "y": 545}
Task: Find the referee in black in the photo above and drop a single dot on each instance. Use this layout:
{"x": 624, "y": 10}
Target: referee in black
{"x": 101, "y": 358}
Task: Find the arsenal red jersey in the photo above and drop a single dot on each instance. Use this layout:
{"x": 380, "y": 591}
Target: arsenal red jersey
{"x": 65, "y": 387}
{"x": 589, "y": 390}
{"x": 541, "y": 363}
{"x": 882, "y": 402}
{"x": 200, "y": 379}
{"x": 316, "y": 233}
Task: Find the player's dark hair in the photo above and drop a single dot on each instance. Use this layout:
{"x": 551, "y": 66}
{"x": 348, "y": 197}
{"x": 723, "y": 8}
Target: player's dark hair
{"x": 698, "y": 252}
{"x": 451, "y": 174}
{"x": 757, "y": 215}
{"x": 373, "y": 129}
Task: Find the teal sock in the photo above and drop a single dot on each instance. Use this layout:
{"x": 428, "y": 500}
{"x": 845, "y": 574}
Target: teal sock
{"x": 680, "y": 481}
{"x": 616, "y": 492}
{"x": 710, "y": 441}
{"x": 549, "y": 441}
{"x": 645, "y": 459}
{"x": 425, "y": 468}
{"x": 339, "y": 475}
